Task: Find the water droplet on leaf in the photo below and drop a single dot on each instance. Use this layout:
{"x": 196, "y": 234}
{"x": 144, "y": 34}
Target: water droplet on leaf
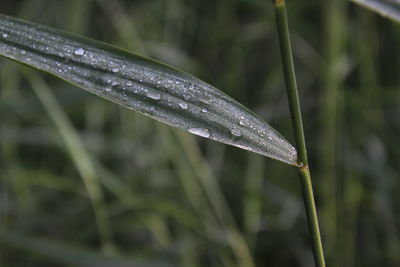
{"x": 241, "y": 121}
{"x": 153, "y": 95}
{"x": 236, "y": 132}
{"x": 200, "y": 132}
{"x": 79, "y": 52}
{"x": 113, "y": 85}
{"x": 183, "y": 105}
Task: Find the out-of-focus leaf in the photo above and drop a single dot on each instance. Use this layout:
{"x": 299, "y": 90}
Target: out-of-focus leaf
{"x": 141, "y": 84}
{"x": 386, "y": 8}
{"x": 68, "y": 255}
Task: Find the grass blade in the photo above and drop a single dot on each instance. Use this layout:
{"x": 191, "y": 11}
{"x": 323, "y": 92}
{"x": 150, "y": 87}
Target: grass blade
{"x": 385, "y": 8}
{"x": 79, "y": 156}
{"x": 67, "y": 255}
{"x": 149, "y": 87}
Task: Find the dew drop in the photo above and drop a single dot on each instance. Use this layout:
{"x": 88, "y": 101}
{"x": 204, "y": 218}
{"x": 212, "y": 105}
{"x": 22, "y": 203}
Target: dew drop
{"x": 115, "y": 69}
{"x": 205, "y": 100}
{"x": 23, "y": 52}
{"x": 183, "y": 105}
{"x": 5, "y": 35}
{"x": 124, "y": 95}
{"x": 113, "y": 85}
{"x": 200, "y": 132}
{"x": 241, "y": 121}
{"x": 263, "y": 134}
{"x": 204, "y": 110}
{"x": 153, "y": 95}
{"x": 236, "y": 132}
{"x": 129, "y": 83}
{"x": 244, "y": 147}
{"x": 79, "y": 52}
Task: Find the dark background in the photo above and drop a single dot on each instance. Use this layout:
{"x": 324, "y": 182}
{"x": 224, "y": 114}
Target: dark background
{"x": 164, "y": 197}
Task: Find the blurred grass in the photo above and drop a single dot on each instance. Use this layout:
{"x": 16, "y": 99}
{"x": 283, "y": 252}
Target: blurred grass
{"x": 335, "y": 73}
{"x": 177, "y": 199}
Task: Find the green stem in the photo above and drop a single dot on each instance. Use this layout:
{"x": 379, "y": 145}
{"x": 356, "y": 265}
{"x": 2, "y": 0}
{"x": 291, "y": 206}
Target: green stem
{"x": 312, "y": 218}
{"x": 294, "y": 103}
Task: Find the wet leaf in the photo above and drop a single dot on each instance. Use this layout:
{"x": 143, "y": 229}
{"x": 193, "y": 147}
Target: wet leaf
{"x": 386, "y": 8}
{"x": 141, "y": 84}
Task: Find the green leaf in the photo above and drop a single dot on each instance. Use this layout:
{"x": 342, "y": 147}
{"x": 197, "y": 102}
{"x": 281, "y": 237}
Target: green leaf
{"x": 71, "y": 256}
{"x": 141, "y": 84}
{"x": 386, "y": 8}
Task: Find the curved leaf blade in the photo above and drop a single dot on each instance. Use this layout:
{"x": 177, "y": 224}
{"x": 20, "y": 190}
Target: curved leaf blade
{"x": 385, "y": 8}
{"x": 141, "y": 84}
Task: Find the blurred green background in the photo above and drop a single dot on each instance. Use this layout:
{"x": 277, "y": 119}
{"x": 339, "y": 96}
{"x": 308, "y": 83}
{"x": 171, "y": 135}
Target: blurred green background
{"x": 84, "y": 182}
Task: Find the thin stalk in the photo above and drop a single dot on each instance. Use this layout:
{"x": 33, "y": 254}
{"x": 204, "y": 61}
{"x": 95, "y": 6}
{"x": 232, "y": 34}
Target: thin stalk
{"x": 331, "y": 119}
{"x": 293, "y": 96}
{"x": 80, "y": 157}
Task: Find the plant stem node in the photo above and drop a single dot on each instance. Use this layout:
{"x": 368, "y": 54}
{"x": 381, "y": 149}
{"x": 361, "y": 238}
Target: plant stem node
{"x": 279, "y": 3}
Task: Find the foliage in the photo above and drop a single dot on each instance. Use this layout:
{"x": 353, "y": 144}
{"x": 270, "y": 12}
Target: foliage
{"x": 176, "y": 198}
